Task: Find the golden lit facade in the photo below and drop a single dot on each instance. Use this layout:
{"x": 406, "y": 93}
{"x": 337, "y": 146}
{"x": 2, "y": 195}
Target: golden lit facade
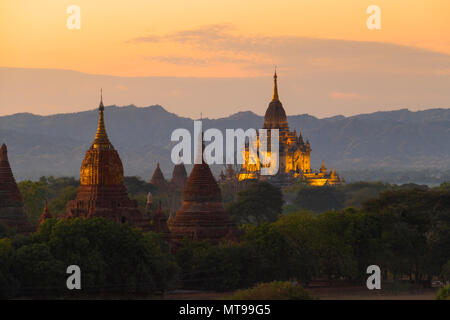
{"x": 294, "y": 153}
{"x": 101, "y": 165}
{"x": 323, "y": 177}
{"x": 102, "y": 192}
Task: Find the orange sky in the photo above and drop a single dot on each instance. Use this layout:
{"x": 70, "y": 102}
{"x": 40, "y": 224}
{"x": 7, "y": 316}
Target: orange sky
{"x": 33, "y": 34}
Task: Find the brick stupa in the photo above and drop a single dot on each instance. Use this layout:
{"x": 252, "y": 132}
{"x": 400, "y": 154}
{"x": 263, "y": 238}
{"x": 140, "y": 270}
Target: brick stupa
{"x": 158, "y": 180}
{"x": 102, "y": 192}
{"x": 179, "y": 178}
{"x": 11, "y": 204}
{"x": 202, "y": 215}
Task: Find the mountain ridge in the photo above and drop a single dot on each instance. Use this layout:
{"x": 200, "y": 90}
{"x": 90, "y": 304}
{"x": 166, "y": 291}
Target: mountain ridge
{"x": 389, "y": 140}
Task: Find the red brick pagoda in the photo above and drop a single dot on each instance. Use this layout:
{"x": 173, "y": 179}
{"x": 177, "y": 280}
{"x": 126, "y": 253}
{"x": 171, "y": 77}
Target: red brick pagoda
{"x": 158, "y": 180}
{"x": 11, "y": 204}
{"x": 179, "y": 178}
{"x": 202, "y": 215}
{"x": 102, "y": 192}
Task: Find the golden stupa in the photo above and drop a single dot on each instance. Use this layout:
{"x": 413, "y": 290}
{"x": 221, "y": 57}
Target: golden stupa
{"x": 102, "y": 192}
{"x": 294, "y": 153}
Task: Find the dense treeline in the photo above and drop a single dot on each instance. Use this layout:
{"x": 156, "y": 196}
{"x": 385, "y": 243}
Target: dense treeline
{"x": 319, "y": 199}
{"x": 113, "y": 258}
{"x": 405, "y": 230}
{"x": 56, "y": 190}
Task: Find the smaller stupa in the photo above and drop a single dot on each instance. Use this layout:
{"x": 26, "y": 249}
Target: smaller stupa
{"x": 202, "y": 215}
{"x": 179, "y": 178}
{"x": 45, "y": 214}
{"x": 158, "y": 180}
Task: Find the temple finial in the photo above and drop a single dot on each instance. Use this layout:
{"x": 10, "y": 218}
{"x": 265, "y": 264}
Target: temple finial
{"x": 323, "y": 168}
{"x": 275, "y": 86}
{"x": 101, "y": 138}
{"x": 101, "y": 107}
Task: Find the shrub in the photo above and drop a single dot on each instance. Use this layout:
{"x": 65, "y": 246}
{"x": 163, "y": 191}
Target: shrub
{"x": 276, "y": 290}
{"x": 443, "y": 293}
{"x": 114, "y": 259}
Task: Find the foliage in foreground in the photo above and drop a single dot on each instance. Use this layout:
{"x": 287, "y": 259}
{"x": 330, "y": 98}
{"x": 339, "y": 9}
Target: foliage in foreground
{"x": 276, "y": 290}
{"x": 443, "y": 293}
{"x": 405, "y": 232}
{"x": 113, "y": 258}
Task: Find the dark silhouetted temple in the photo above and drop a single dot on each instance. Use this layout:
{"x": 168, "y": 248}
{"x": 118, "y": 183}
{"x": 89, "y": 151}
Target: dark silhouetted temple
{"x": 179, "y": 178}
{"x": 158, "y": 179}
{"x": 202, "y": 215}
{"x": 11, "y": 204}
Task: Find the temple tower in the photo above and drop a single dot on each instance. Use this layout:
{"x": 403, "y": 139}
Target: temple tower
{"x": 275, "y": 116}
{"x": 158, "y": 179}
{"x": 202, "y": 215}
{"x": 45, "y": 214}
{"x": 179, "y": 178}
{"x": 159, "y": 223}
{"x": 102, "y": 192}
{"x": 294, "y": 152}
{"x": 11, "y": 204}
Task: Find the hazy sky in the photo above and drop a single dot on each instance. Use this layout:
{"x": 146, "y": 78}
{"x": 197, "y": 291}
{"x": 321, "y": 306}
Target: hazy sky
{"x": 328, "y": 60}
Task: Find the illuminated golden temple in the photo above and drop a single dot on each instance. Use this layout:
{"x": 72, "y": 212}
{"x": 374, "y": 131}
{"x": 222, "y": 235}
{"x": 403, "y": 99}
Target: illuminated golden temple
{"x": 294, "y": 153}
{"x": 102, "y": 192}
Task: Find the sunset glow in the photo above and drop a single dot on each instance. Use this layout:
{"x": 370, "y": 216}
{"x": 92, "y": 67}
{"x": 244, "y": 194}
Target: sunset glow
{"x": 179, "y": 38}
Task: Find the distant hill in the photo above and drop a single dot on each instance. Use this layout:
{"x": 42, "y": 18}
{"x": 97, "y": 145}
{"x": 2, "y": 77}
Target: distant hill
{"x": 381, "y": 141}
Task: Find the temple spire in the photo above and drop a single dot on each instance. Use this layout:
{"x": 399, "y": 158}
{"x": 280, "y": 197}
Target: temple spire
{"x": 3, "y": 152}
{"x": 101, "y": 137}
{"x": 45, "y": 214}
{"x": 323, "y": 169}
{"x": 275, "y": 86}
{"x": 101, "y": 107}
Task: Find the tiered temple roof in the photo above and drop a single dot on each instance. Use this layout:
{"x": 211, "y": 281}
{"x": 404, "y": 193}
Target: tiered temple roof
{"x": 179, "y": 178}
{"x": 102, "y": 192}
{"x": 294, "y": 154}
{"x": 275, "y": 116}
{"x": 202, "y": 215}
{"x": 159, "y": 222}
